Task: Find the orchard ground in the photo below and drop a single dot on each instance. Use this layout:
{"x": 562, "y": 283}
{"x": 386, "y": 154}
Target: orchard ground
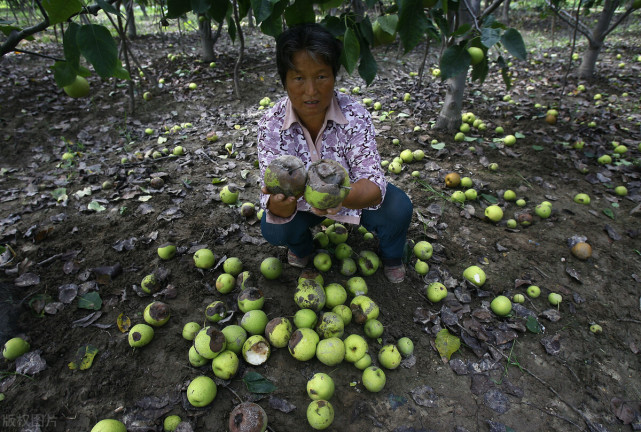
{"x": 65, "y": 228}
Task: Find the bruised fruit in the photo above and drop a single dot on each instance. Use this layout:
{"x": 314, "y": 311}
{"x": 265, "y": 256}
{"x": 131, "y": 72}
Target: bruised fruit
{"x": 344, "y": 312}
{"x": 251, "y": 299}
{"x": 320, "y": 387}
{"x": 582, "y": 250}
{"x": 140, "y": 335}
{"x": 278, "y": 331}
{"x": 210, "y": 342}
{"x": 156, "y": 314}
{"x": 452, "y": 180}
{"x": 216, "y": 311}
{"x": 248, "y": 417}
{"x": 229, "y": 194}
{"x": 330, "y": 325}
{"x": 256, "y": 350}
{"x": 363, "y": 309}
{"x": 310, "y": 295}
{"x": 149, "y": 284}
{"x": 286, "y": 175}
{"x": 320, "y": 414}
{"x": 171, "y": 423}
{"x": 327, "y": 184}
{"x": 302, "y": 344}
{"x": 368, "y": 262}
{"x": 167, "y": 251}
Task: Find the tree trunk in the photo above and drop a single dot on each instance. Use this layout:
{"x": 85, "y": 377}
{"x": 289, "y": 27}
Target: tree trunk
{"x": 505, "y": 13}
{"x": 131, "y": 21}
{"x": 595, "y": 43}
{"x": 206, "y": 40}
{"x": 450, "y": 116}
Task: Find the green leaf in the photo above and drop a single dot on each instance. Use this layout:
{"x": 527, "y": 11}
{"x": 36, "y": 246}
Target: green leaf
{"x": 368, "y": 67}
{"x": 351, "y": 50}
{"x": 480, "y": 70}
{"x": 200, "y": 6}
{"x": 330, "y": 4}
{"x": 608, "y": 213}
{"x": 95, "y": 206}
{"x": 220, "y": 9}
{"x": 388, "y": 23}
{"x": 98, "y": 46}
{"x": 490, "y": 198}
{"x": 107, "y": 7}
{"x": 64, "y": 73}
{"x": 58, "y": 193}
{"x": 513, "y": 42}
{"x": 533, "y": 324}
{"x": 177, "y": 8}
{"x": 519, "y": 135}
{"x": 438, "y": 146}
{"x": 91, "y": 301}
{"x": 61, "y": 10}
{"x": 490, "y": 36}
{"x": 256, "y": 383}
{"x": 302, "y": 11}
{"x": 262, "y": 9}
{"x": 412, "y": 23}
{"x": 447, "y": 344}
{"x": 83, "y": 358}
{"x": 537, "y": 147}
{"x": 463, "y": 28}
{"x": 454, "y": 61}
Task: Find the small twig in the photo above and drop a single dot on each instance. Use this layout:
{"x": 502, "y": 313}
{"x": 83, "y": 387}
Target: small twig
{"x": 553, "y": 414}
{"x": 38, "y": 54}
{"x": 52, "y": 258}
{"x": 473, "y": 15}
{"x": 541, "y": 272}
{"x": 628, "y": 320}
{"x": 234, "y": 393}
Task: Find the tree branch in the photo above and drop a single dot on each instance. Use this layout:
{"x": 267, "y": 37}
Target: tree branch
{"x": 571, "y": 21}
{"x": 15, "y": 37}
{"x": 617, "y": 22}
{"x": 491, "y": 8}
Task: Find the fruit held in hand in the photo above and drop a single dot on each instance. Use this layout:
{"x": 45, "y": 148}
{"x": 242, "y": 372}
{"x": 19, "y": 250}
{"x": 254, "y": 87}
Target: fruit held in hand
{"x": 15, "y": 347}
{"x": 201, "y": 391}
{"x": 286, "y": 175}
{"x": 248, "y": 417}
{"x": 327, "y": 184}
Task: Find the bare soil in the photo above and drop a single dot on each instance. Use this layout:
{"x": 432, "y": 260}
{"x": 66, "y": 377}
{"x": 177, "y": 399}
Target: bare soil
{"x": 504, "y": 376}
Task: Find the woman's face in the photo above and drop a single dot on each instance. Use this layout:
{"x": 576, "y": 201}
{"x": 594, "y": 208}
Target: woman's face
{"x": 310, "y": 87}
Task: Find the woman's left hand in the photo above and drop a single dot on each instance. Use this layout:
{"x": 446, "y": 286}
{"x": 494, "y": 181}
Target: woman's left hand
{"x": 330, "y": 211}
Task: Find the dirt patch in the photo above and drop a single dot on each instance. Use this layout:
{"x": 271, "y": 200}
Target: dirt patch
{"x": 538, "y": 369}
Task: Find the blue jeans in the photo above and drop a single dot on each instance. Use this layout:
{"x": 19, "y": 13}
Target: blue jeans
{"x": 389, "y": 223}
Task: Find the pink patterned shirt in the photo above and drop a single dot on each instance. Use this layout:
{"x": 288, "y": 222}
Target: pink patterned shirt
{"x": 347, "y": 136}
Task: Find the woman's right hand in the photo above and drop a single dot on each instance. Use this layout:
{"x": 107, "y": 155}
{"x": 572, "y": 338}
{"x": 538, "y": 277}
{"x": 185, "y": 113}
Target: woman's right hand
{"x": 280, "y": 205}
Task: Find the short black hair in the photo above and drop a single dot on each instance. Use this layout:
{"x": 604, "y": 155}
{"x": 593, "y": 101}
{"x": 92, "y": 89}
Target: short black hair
{"x": 313, "y": 38}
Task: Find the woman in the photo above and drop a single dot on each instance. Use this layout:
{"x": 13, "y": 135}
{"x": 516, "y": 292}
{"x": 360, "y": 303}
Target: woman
{"x": 315, "y": 122}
